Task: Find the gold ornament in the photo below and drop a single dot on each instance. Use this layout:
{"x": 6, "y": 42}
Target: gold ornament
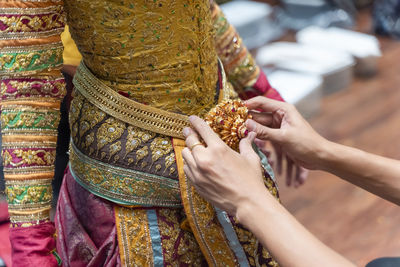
{"x": 228, "y": 119}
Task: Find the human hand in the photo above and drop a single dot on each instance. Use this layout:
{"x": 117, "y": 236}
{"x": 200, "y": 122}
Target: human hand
{"x": 282, "y": 124}
{"x": 295, "y": 175}
{"x": 221, "y": 175}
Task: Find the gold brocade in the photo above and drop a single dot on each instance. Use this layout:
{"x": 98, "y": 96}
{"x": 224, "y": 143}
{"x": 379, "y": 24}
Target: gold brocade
{"x": 160, "y": 53}
{"x": 125, "y": 109}
{"x": 201, "y": 215}
{"x": 133, "y": 237}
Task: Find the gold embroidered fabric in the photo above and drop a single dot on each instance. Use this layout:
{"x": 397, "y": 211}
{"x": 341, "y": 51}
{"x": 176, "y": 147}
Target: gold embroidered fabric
{"x": 22, "y": 23}
{"x": 126, "y": 110}
{"x": 31, "y": 90}
{"x": 123, "y": 186}
{"x": 159, "y": 53}
{"x": 241, "y": 69}
{"x": 133, "y": 237}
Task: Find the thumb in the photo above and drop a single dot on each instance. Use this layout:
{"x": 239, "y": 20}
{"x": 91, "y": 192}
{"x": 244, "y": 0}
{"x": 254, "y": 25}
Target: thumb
{"x": 246, "y": 146}
{"x": 263, "y": 132}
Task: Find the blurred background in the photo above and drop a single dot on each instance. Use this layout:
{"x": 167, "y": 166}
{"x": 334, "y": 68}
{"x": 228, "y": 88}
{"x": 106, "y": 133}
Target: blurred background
{"x": 338, "y": 61}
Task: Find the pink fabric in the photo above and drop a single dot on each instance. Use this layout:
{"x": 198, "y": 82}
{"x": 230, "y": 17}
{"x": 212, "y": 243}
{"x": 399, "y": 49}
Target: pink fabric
{"x": 17, "y": 158}
{"x": 38, "y": 86}
{"x": 86, "y": 231}
{"x": 33, "y": 246}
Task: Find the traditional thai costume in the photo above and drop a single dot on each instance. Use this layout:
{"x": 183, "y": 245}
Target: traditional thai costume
{"x": 147, "y": 65}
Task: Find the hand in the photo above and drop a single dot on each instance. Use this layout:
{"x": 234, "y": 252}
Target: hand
{"x": 295, "y": 174}
{"x": 224, "y": 177}
{"x": 282, "y": 124}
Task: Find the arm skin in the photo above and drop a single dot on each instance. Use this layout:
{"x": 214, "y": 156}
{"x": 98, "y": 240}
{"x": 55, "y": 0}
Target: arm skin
{"x": 376, "y": 174}
{"x": 233, "y": 182}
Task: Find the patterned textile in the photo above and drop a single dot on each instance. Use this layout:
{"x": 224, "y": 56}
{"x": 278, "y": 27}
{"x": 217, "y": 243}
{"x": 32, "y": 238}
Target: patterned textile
{"x": 32, "y": 88}
{"x": 159, "y": 53}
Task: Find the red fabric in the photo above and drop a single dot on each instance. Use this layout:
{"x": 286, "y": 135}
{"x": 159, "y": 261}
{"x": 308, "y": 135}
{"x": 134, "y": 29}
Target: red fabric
{"x": 33, "y": 246}
{"x": 4, "y": 217}
{"x": 5, "y": 246}
{"x": 261, "y": 87}
{"x": 86, "y": 230}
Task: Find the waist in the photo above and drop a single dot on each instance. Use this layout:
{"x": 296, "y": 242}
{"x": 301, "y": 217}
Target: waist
{"x": 124, "y": 153}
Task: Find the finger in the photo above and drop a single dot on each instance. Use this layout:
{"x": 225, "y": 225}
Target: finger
{"x": 297, "y": 181}
{"x": 303, "y": 175}
{"x": 246, "y": 146}
{"x": 189, "y": 173}
{"x": 289, "y": 170}
{"x": 279, "y": 158}
{"x": 263, "y": 146}
{"x": 263, "y": 133}
{"x": 205, "y": 132}
{"x": 189, "y": 159}
{"x": 263, "y": 118}
{"x": 192, "y": 138}
{"x": 265, "y": 104}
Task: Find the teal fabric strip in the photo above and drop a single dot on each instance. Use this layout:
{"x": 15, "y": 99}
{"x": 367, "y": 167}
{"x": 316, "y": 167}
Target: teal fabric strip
{"x": 158, "y": 259}
{"x": 232, "y": 238}
{"x": 264, "y": 162}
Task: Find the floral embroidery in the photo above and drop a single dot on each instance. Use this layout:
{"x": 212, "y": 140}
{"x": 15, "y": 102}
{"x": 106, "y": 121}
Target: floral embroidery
{"x": 19, "y": 195}
{"x": 28, "y": 157}
{"x": 29, "y": 119}
{"x": 30, "y": 60}
{"x": 29, "y": 87}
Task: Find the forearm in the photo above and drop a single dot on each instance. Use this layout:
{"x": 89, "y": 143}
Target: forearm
{"x": 286, "y": 239}
{"x": 32, "y": 88}
{"x": 376, "y": 174}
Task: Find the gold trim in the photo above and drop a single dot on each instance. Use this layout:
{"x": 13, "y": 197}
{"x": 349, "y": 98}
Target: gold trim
{"x": 30, "y": 35}
{"x": 29, "y": 176}
{"x": 33, "y": 48}
{"x": 127, "y": 110}
{"x": 201, "y": 216}
{"x": 29, "y": 215}
{"x": 135, "y": 187}
{"x": 32, "y": 102}
{"x": 30, "y": 11}
{"x": 28, "y": 170}
{"x": 133, "y": 236}
{"x": 9, "y": 139}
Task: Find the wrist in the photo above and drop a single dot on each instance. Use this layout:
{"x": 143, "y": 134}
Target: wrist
{"x": 326, "y": 155}
{"x": 249, "y": 206}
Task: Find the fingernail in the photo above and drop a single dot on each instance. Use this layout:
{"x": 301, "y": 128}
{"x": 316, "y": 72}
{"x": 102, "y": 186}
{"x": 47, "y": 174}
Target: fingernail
{"x": 191, "y": 118}
{"x": 251, "y": 125}
{"x": 186, "y": 131}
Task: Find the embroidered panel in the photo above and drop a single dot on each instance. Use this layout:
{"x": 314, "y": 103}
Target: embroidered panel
{"x": 239, "y": 65}
{"x": 21, "y": 23}
{"x": 29, "y": 120}
{"x": 179, "y": 245}
{"x": 32, "y": 87}
{"x": 122, "y": 185}
{"x": 109, "y": 140}
{"x": 133, "y": 237}
{"x": 30, "y": 194}
{"x": 30, "y": 59}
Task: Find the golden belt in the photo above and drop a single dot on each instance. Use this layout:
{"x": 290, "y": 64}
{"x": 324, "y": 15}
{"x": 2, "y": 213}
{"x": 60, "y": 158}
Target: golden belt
{"x": 127, "y": 110}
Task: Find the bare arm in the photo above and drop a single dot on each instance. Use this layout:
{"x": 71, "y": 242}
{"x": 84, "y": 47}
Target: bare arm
{"x": 288, "y": 241}
{"x": 286, "y": 127}
{"x": 233, "y": 182}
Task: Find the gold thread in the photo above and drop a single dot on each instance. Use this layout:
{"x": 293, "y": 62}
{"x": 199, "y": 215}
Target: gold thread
{"x": 127, "y": 110}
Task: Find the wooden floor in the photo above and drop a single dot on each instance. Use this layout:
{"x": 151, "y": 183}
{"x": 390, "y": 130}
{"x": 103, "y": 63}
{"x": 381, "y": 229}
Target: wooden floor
{"x": 367, "y": 116}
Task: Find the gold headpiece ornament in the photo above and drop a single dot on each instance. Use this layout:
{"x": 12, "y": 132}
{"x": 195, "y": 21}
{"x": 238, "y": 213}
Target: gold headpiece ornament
{"x": 228, "y": 119}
